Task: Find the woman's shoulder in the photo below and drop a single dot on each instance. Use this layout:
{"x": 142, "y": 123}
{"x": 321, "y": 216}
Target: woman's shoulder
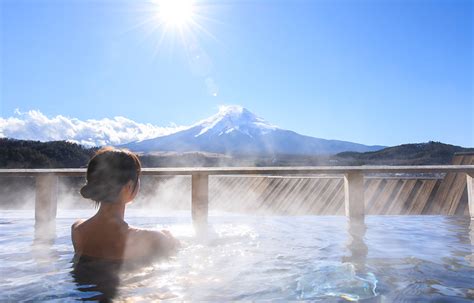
{"x": 78, "y": 227}
{"x": 76, "y": 234}
{"x": 77, "y": 223}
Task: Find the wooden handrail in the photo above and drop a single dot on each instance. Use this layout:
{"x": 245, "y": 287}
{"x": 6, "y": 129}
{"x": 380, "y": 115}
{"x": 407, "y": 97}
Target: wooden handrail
{"x": 303, "y": 170}
{"x": 46, "y": 183}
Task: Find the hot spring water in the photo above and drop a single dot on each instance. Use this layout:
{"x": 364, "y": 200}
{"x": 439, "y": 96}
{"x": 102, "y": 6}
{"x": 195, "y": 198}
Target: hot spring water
{"x": 389, "y": 258}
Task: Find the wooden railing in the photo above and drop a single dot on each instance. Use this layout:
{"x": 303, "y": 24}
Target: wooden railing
{"x": 47, "y": 183}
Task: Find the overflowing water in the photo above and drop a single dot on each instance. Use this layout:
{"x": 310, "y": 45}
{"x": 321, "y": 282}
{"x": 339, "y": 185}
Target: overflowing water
{"x": 385, "y": 259}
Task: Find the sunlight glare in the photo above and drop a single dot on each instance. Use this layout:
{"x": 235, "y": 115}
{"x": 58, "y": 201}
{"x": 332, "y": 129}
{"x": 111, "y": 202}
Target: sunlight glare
{"x": 175, "y": 12}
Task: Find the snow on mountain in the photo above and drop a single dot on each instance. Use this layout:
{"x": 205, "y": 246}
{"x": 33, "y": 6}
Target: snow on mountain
{"x": 234, "y": 118}
{"x": 237, "y": 131}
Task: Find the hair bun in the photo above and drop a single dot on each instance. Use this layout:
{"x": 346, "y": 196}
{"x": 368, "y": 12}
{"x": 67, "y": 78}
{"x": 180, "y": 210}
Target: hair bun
{"x": 108, "y": 172}
{"x": 86, "y": 192}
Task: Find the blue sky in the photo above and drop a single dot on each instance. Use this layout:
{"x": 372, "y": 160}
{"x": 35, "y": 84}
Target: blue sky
{"x": 374, "y": 72}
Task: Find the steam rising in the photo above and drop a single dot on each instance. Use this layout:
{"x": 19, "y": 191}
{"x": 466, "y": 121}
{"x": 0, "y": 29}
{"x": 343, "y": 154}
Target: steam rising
{"x": 261, "y": 258}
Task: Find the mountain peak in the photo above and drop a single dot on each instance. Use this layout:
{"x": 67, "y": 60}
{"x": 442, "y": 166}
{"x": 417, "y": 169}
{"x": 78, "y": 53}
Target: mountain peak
{"x": 234, "y": 118}
{"x": 232, "y": 110}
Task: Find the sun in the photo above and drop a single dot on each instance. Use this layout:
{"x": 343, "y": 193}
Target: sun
{"x": 175, "y": 12}
{"x": 183, "y": 24}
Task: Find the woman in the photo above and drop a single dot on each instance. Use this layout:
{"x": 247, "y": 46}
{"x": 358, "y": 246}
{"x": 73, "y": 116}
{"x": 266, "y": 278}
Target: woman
{"x": 113, "y": 180}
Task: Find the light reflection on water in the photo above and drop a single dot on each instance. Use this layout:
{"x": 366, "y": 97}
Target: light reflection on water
{"x": 387, "y": 258}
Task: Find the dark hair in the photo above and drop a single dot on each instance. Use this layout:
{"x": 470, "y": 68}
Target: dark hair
{"x": 108, "y": 171}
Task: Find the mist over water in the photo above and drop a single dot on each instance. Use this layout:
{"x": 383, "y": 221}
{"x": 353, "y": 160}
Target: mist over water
{"x": 246, "y": 257}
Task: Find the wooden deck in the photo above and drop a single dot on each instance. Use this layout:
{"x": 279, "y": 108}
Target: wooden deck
{"x": 313, "y": 195}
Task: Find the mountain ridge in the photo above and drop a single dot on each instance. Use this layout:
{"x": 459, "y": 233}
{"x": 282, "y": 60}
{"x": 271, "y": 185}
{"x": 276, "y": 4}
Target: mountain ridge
{"x": 235, "y": 130}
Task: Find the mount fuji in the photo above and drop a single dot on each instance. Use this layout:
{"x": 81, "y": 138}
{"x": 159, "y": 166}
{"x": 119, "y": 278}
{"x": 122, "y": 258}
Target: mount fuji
{"x": 234, "y": 130}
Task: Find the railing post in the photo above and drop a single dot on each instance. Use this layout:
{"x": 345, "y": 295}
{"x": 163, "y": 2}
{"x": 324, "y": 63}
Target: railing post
{"x": 354, "y": 195}
{"x": 470, "y": 194}
{"x": 200, "y": 198}
{"x": 46, "y": 200}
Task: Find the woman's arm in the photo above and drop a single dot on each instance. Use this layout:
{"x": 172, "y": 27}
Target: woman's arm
{"x": 143, "y": 242}
{"x": 163, "y": 243}
{"x": 168, "y": 240}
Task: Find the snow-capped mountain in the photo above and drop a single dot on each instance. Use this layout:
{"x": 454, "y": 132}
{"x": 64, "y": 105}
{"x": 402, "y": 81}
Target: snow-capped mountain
{"x": 234, "y": 119}
{"x": 237, "y": 131}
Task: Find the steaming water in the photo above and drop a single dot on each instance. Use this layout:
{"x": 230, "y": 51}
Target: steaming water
{"x": 410, "y": 258}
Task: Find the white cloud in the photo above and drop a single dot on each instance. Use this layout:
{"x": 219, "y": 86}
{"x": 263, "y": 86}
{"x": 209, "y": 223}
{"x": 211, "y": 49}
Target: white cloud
{"x": 33, "y": 125}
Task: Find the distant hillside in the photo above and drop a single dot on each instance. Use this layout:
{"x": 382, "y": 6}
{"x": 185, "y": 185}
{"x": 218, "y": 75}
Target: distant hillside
{"x": 35, "y": 154}
{"x": 430, "y": 153}
{"x": 61, "y": 154}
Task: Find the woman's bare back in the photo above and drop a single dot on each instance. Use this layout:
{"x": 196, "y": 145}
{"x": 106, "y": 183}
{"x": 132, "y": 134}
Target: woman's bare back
{"x": 115, "y": 240}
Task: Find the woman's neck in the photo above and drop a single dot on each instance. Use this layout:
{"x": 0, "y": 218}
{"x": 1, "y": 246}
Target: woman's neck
{"x": 112, "y": 210}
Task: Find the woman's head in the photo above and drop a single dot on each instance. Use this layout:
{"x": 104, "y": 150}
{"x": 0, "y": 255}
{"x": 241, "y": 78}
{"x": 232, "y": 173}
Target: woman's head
{"x": 108, "y": 172}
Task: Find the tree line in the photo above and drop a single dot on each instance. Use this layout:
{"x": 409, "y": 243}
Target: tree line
{"x": 63, "y": 154}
